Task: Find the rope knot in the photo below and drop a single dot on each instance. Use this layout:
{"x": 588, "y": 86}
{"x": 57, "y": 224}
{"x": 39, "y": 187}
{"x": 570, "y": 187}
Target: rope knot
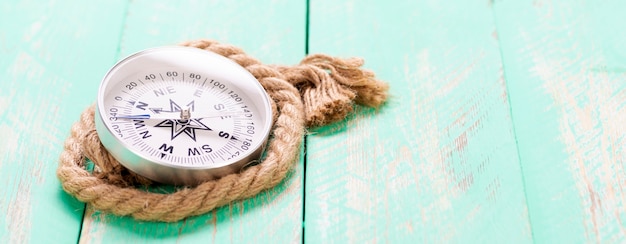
{"x": 329, "y": 86}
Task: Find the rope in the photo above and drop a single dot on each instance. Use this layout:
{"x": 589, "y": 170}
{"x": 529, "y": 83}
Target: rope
{"x": 318, "y": 91}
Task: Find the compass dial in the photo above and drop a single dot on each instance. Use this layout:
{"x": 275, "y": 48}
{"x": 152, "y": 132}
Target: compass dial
{"x": 182, "y": 115}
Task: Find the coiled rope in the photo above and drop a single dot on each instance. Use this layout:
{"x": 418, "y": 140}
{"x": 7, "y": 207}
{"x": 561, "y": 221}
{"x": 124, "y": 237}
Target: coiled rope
{"x": 318, "y": 91}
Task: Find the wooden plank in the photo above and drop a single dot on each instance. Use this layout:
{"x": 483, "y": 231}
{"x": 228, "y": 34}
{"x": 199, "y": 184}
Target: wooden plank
{"x": 51, "y": 53}
{"x": 565, "y": 63}
{"x": 438, "y": 163}
{"x": 272, "y": 31}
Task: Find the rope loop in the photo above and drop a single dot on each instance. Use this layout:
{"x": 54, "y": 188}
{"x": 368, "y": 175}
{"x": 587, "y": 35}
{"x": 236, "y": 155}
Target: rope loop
{"x": 318, "y": 91}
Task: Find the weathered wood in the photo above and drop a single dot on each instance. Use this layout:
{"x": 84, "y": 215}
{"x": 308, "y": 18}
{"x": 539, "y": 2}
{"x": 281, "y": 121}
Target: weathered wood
{"x": 565, "y": 66}
{"x": 506, "y": 121}
{"x": 439, "y": 162}
{"x": 52, "y": 53}
{"x": 272, "y": 31}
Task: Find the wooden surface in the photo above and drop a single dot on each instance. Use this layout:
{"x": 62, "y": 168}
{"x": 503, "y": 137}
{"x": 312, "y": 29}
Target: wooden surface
{"x": 506, "y": 121}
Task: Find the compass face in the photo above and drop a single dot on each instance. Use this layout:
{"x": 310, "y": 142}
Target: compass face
{"x": 182, "y": 115}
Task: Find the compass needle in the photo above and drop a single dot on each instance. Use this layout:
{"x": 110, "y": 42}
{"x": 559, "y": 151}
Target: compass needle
{"x": 175, "y": 131}
{"x": 165, "y": 116}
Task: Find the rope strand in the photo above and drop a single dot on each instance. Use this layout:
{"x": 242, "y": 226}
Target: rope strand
{"x": 318, "y": 91}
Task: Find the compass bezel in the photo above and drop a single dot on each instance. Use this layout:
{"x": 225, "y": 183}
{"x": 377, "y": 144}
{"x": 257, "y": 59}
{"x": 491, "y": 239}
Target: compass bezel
{"x": 188, "y": 58}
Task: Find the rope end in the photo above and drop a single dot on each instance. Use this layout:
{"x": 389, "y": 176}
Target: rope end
{"x": 330, "y": 86}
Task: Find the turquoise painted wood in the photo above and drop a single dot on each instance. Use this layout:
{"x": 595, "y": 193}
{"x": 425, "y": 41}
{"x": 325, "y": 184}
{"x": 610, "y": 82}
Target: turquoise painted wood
{"x": 506, "y": 121}
{"x": 51, "y": 54}
{"x": 565, "y": 66}
{"x": 438, "y": 163}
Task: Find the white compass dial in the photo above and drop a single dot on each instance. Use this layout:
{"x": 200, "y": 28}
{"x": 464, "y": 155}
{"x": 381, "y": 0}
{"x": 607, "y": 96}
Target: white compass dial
{"x": 182, "y": 115}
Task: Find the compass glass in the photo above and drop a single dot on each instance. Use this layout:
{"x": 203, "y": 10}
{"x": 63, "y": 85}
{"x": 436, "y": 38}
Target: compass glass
{"x": 182, "y": 115}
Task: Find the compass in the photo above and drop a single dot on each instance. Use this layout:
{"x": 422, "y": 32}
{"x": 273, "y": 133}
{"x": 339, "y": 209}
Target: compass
{"x": 182, "y": 115}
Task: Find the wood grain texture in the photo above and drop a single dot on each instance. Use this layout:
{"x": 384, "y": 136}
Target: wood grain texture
{"x": 438, "y": 163}
{"x": 273, "y": 32}
{"x": 565, "y": 63}
{"x": 43, "y": 46}
{"x": 506, "y": 122}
